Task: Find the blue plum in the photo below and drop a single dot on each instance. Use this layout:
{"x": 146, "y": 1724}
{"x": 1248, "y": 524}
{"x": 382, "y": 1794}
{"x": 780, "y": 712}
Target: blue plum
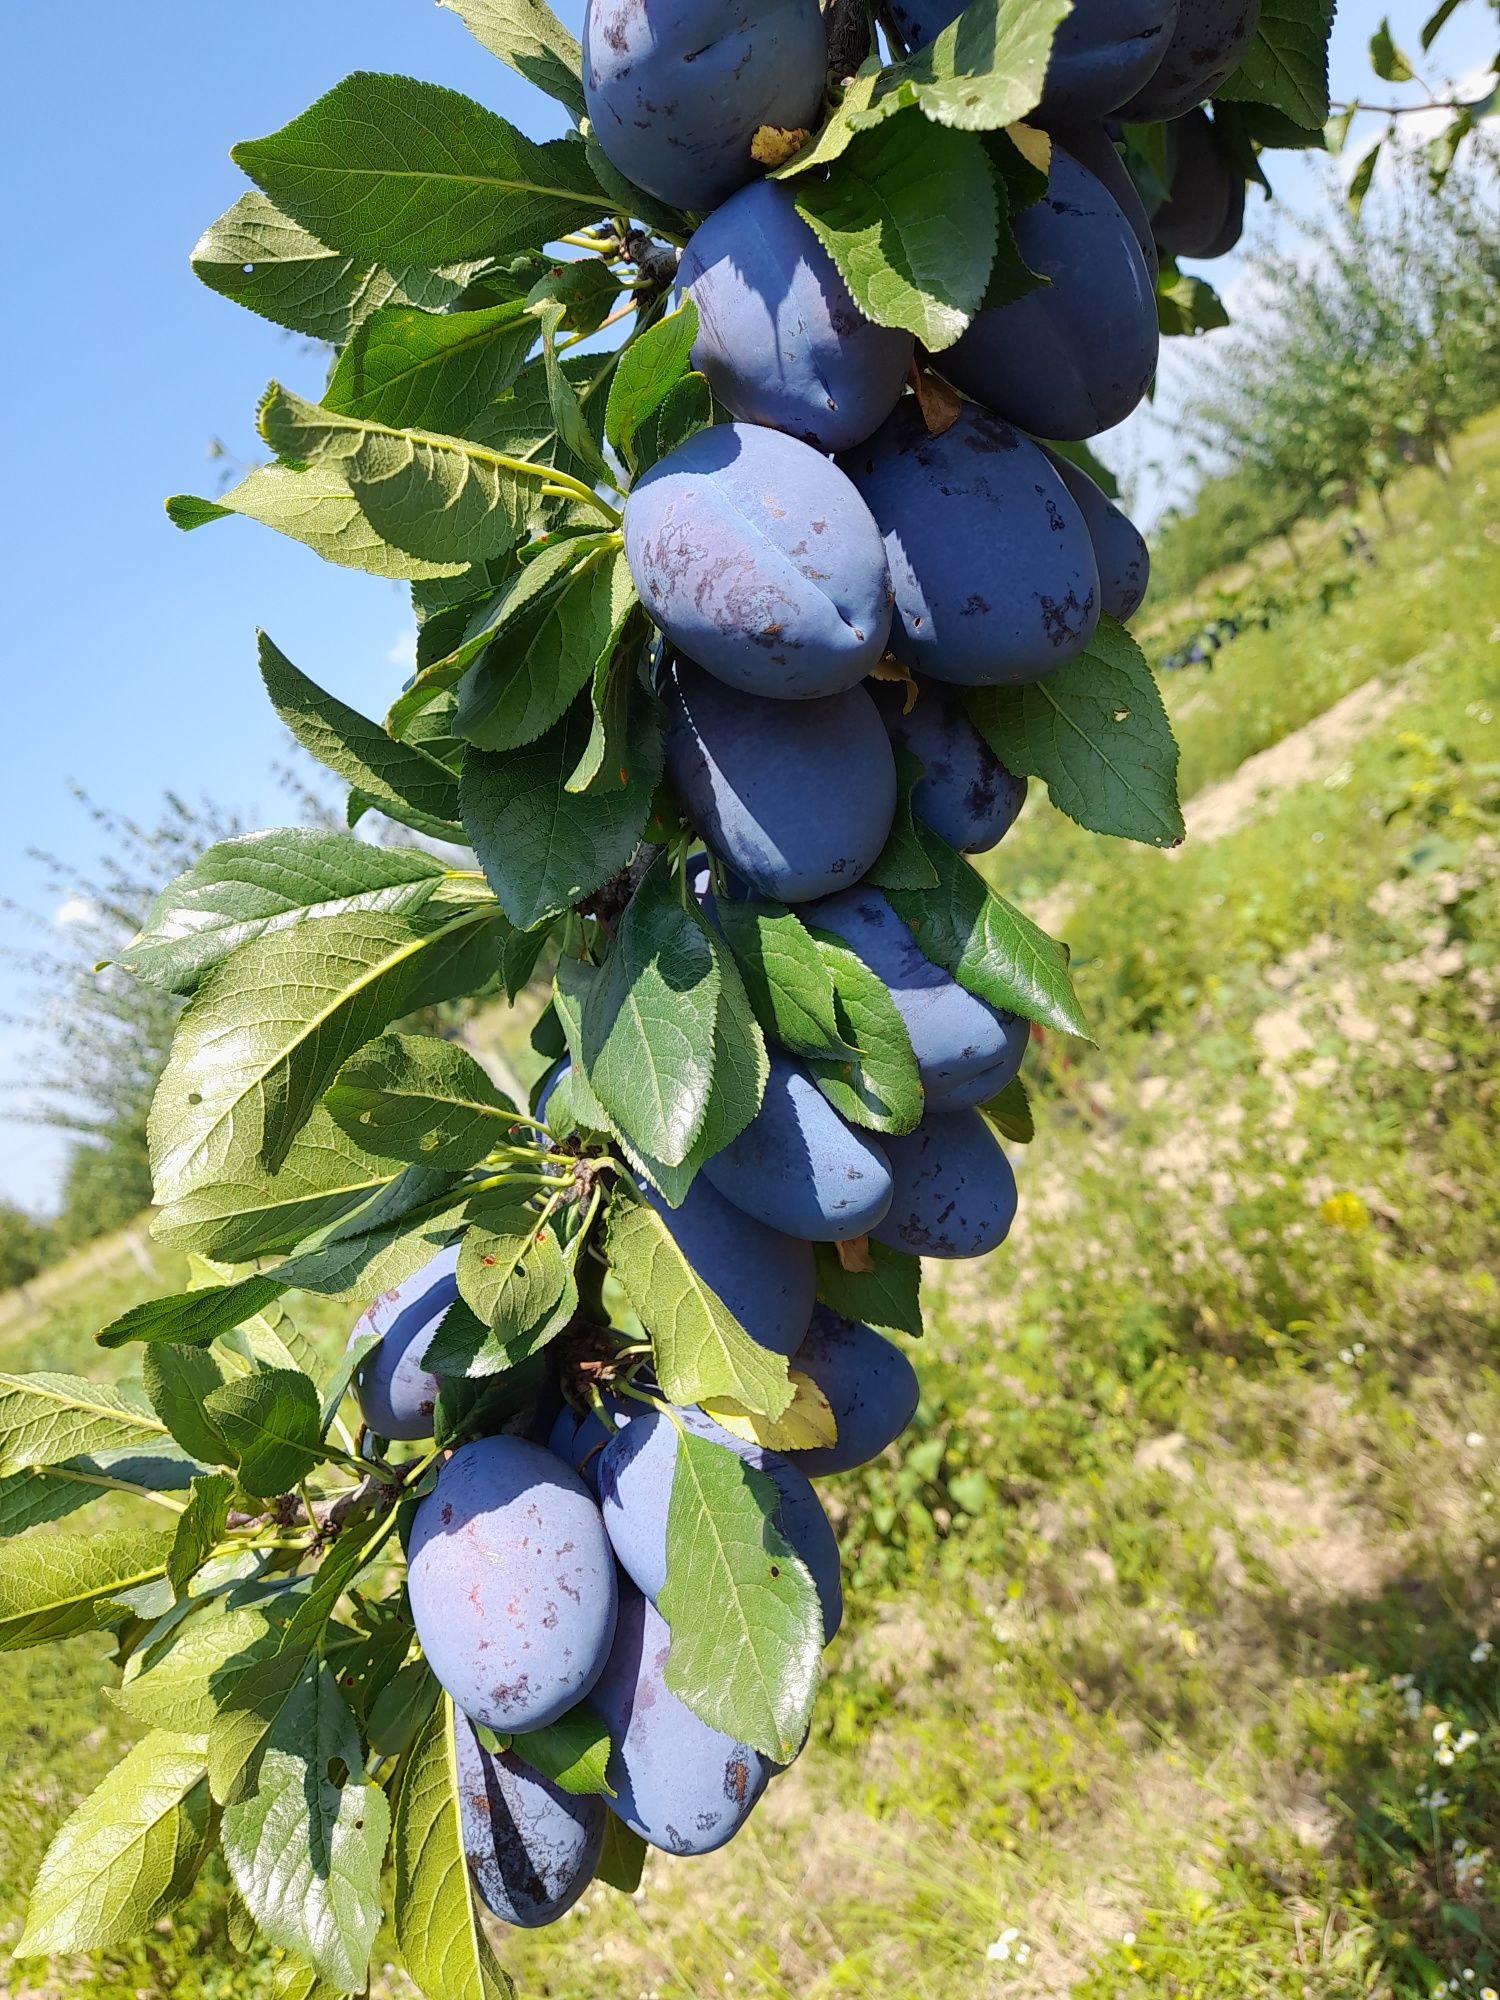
{"x": 966, "y": 1050}
{"x": 395, "y": 1393}
{"x": 757, "y": 557}
{"x": 635, "y": 1488}
{"x": 1103, "y": 49}
{"x": 766, "y": 1279}
{"x": 1092, "y": 147}
{"x": 965, "y": 794}
{"x": 799, "y": 1168}
{"x": 797, "y": 798}
{"x": 1204, "y": 212}
{"x": 677, "y": 1783}
{"x": 577, "y": 1437}
{"x": 871, "y": 1387}
{"x": 532, "y": 1848}
{"x": 1119, "y": 546}
{"x": 512, "y": 1583}
{"x": 992, "y": 565}
{"x": 1207, "y": 45}
{"x": 676, "y": 90}
{"x": 1076, "y": 356}
{"x": 955, "y": 1192}
{"x": 779, "y": 337}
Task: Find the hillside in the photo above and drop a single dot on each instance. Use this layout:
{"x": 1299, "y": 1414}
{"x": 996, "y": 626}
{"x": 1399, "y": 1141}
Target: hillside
{"x": 1172, "y": 1618}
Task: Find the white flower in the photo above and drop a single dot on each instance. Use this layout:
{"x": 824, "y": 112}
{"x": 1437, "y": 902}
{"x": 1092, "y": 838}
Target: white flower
{"x": 1441, "y": 1731}
{"x": 1445, "y": 1756}
{"x": 1000, "y": 1950}
{"x": 1438, "y": 1800}
{"x": 1481, "y": 1652}
{"x": 1474, "y": 1440}
{"x": 1128, "y": 1938}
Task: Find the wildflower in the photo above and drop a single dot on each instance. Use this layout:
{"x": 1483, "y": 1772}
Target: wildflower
{"x": 1445, "y": 1756}
{"x": 1481, "y": 1652}
{"x": 1004, "y": 1945}
{"x": 1488, "y": 1993}
{"x": 1128, "y": 1938}
{"x": 1474, "y": 1440}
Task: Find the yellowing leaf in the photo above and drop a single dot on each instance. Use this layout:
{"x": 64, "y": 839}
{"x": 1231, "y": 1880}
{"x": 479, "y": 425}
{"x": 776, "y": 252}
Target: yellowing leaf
{"x": 774, "y": 145}
{"x": 807, "y": 1424}
{"x": 1034, "y": 146}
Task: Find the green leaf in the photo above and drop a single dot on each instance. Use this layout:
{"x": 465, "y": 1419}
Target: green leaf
{"x": 46, "y": 1419}
{"x": 415, "y": 1098}
{"x": 1433, "y": 26}
{"x": 192, "y": 1319}
{"x": 400, "y": 778}
{"x": 528, "y": 36}
{"x": 568, "y": 416}
{"x": 623, "y": 1860}
{"x": 1097, "y": 735}
{"x": 264, "y": 261}
{"x": 1009, "y": 1111}
{"x": 524, "y": 683}
{"x": 789, "y": 984}
{"x": 878, "y": 1085}
{"x": 605, "y": 763}
{"x": 128, "y": 1854}
{"x": 987, "y": 944}
{"x": 1287, "y": 63}
{"x": 305, "y": 1848}
{"x": 886, "y": 1297}
{"x": 1362, "y": 177}
{"x": 272, "y": 1422}
{"x": 170, "y": 1683}
{"x": 585, "y": 288}
{"x": 199, "y": 1528}
{"x": 543, "y": 848}
{"x": 901, "y": 863}
{"x": 312, "y": 505}
{"x": 49, "y": 1584}
{"x": 1186, "y": 305}
{"x": 985, "y": 70}
{"x": 429, "y": 371}
{"x": 648, "y": 1022}
{"x": 701, "y": 1349}
{"x": 437, "y": 1927}
{"x": 386, "y": 1242}
{"x": 747, "y": 1631}
{"x": 401, "y": 1707}
{"x": 909, "y": 215}
{"x": 510, "y": 1268}
{"x": 265, "y": 1035}
{"x": 266, "y": 881}
{"x": 572, "y": 1753}
{"x": 648, "y": 371}
{"x": 178, "y": 1380}
{"x": 408, "y": 173}
{"x": 29, "y": 1499}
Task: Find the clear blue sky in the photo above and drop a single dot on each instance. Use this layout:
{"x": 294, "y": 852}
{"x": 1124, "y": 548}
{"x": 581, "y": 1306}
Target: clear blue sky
{"x": 131, "y": 645}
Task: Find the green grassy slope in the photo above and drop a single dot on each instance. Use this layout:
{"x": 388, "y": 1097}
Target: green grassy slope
{"x": 1154, "y": 1615}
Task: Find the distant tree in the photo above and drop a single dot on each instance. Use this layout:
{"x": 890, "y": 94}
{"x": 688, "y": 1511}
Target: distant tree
{"x": 25, "y": 1245}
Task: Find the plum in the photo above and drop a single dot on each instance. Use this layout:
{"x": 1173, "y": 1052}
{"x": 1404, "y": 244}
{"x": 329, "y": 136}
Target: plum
{"x": 577, "y": 1437}
{"x": 765, "y": 1279}
{"x": 676, "y": 90}
{"x": 635, "y": 1489}
{"x": 955, "y": 1192}
{"x": 1206, "y": 47}
{"x": 965, "y": 793}
{"x": 679, "y": 1784}
{"x": 799, "y": 1168}
{"x": 1076, "y": 356}
{"x": 1092, "y": 147}
{"x": 532, "y": 1848}
{"x": 1103, "y": 50}
{"x": 395, "y": 1393}
{"x": 966, "y": 1050}
{"x": 871, "y": 1387}
{"x": 1204, "y": 212}
{"x": 756, "y": 556}
{"x": 797, "y": 798}
{"x": 1119, "y": 546}
{"x": 992, "y": 565}
{"x": 779, "y": 337}
{"x": 512, "y": 1583}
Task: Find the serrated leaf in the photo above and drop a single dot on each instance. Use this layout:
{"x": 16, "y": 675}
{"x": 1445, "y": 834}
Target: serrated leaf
{"x": 747, "y": 1630}
{"x": 988, "y": 945}
{"x": 272, "y": 1423}
{"x": 1098, "y": 737}
{"x": 647, "y": 372}
{"x": 385, "y": 1243}
{"x": 805, "y": 1424}
{"x": 687, "y": 407}
{"x": 605, "y": 762}
{"x": 879, "y": 1086}
{"x": 585, "y": 288}
{"x": 437, "y": 1927}
{"x": 885, "y": 1297}
{"x": 789, "y": 984}
{"x": 908, "y": 213}
{"x": 170, "y": 1684}
{"x": 408, "y": 173}
{"x": 1187, "y": 305}
{"x": 510, "y": 1268}
{"x": 1009, "y": 1111}
{"x": 31, "y": 1498}
{"x": 49, "y": 1584}
{"x": 700, "y": 1348}
{"x": 401, "y": 1707}
{"x": 127, "y": 1855}
{"x": 572, "y": 1753}
{"x": 543, "y": 848}
{"x": 984, "y": 70}
{"x": 192, "y": 1319}
{"x": 313, "y": 505}
{"x": 901, "y": 863}
{"x": 47, "y": 1418}
{"x": 199, "y": 1528}
{"x": 623, "y": 1859}
{"x": 418, "y": 1099}
{"x": 242, "y": 888}
{"x": 429, "y": 371}
{"x": 1286, "y": 65}
{"x": 305, "y": 1848}
{"x": 522, "y": 684}
{"x": 528, "y": 36}
{"x": 271, "y": 265}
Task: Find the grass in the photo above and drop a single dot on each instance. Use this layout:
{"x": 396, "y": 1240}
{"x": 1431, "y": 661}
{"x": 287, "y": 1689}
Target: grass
{"x": 1165, "y": 1617}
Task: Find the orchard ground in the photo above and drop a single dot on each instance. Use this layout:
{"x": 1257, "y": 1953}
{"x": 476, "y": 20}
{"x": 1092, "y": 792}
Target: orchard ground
{"x": 1172, "y": 1665}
